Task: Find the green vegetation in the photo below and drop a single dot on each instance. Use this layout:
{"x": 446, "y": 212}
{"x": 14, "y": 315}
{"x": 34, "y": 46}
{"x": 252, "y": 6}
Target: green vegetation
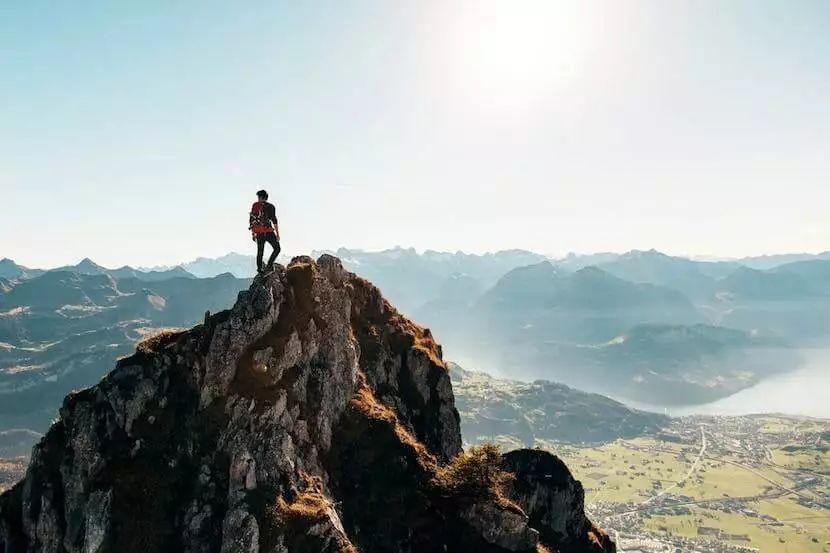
{"x": 475, "y": 472}
{"x": 796, "y": 457}
{"x": 616, "y": 473}
{"x": 517, "y": 414}
{"x": 759, "y": 482}
{"x": 793, "y": 536}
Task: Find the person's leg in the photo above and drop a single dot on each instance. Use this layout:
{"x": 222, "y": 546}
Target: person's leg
{"x": 260, "y": 249}
{"x": 275, "y": 244}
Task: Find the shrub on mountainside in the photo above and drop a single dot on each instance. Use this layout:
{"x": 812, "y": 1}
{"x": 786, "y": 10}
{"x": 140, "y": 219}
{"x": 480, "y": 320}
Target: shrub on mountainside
{"x": 476, "y": 472}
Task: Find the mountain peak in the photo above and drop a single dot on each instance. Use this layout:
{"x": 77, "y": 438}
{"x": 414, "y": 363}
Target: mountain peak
{"x": 645, "y": 253}
{"x": 11, "y": 270}
{"x": 87, "y": 262}
{"x": 312, "y": 416}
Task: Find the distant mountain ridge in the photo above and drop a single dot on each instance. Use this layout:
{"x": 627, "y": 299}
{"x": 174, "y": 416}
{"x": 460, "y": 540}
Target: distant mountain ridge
{"x": 412, "y": 279}
{"x": 545, "y": 285}
{"x": 694, "y": 278}
{"x": 236, "y": 264}
{"x": 574, "y": 261}
{"x": 62, "y": 329}
{"x": 9, "y": 270}
{"x": 242, "y": 265}
{"x": 763, "y": 262}
{"x": 599, "y": 332}
{"x": 88, "y": 267}
{"x": 641, "y": 321}
{"x": 519, "y": 414}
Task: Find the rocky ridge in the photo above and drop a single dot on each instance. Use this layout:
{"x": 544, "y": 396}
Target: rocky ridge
{"x": 312, "y": 416}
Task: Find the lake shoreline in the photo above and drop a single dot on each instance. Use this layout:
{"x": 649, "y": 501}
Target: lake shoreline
{"x": 801, "y": 392}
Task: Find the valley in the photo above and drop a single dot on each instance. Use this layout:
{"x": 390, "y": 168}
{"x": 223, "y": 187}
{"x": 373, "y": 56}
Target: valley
{"x": 697, "y": 483}
{"x": 714, "y": 485}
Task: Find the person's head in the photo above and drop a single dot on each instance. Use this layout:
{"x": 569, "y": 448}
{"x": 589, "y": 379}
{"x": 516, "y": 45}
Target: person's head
{"x": 262, "y": 195}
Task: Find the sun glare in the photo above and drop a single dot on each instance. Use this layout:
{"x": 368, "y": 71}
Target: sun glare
{"x": 514, "y": 53}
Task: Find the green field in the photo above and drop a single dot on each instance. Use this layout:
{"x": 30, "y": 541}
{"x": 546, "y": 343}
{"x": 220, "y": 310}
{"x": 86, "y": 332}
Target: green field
{"x": 761, "y": 482}
{"x": 793, "y": 457}
{"x": 804, "y": 530}
{"x": 616, "y": 473}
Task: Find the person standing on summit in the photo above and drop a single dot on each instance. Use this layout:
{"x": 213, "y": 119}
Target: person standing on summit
{"x": 264, "y": 227}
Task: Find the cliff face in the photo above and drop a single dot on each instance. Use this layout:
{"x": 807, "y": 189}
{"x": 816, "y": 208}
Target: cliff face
{"x": 310, "y": 417}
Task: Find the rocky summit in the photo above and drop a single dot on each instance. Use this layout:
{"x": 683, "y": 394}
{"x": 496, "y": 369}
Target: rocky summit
{"x": 311, "y": 416}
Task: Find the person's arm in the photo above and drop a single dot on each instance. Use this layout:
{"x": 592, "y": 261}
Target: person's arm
{"x": 273, "y": 216}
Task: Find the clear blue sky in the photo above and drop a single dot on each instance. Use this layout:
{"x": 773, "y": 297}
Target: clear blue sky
{"x": 137, "y": 132}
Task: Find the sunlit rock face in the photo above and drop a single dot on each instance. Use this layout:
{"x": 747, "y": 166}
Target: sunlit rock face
{"x": 310, "y": 417}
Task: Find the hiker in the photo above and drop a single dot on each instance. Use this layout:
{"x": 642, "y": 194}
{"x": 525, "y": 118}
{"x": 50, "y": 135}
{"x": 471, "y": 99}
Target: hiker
{"x": 264, "y": 227}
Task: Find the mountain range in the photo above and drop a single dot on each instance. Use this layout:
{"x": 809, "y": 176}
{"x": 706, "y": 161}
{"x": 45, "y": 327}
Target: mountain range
{"x": 62, "y": 329}
{"x": 413, "y": 279}
{"x": 641, "y": 325}
{"x": 490, "y": 265}
{"x": 625, "y": 328}
{"x": 11, "y": 271}
{"x": 237, "y": 264}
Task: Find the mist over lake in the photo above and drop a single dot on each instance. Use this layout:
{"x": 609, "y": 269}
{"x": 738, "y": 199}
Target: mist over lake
{"x": 803, "y": 392}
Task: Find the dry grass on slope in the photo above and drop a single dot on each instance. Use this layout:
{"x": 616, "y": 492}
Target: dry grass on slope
{"x": 154, "y": 339}
{"x": 365, "y": 402}
{"x": 308, "y": 506}
{"x": 476, "y": 473}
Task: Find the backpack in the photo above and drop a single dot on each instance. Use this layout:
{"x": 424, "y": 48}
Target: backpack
{"x": 258, "y": 217}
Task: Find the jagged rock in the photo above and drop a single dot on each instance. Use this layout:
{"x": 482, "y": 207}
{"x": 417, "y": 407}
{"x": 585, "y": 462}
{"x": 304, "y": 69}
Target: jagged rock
{"x": 543, "y": 487}
{"x": 311, "y": 416}
{"x": 502, "y": 526}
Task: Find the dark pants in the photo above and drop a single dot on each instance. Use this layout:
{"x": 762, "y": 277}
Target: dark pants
{"x": 261, "y": 239}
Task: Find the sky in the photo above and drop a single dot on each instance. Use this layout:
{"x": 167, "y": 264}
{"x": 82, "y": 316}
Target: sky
{"x": 137, "y": 132}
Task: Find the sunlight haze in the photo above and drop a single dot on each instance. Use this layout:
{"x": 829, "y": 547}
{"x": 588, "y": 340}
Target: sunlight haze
{"x": 137, "y": 133}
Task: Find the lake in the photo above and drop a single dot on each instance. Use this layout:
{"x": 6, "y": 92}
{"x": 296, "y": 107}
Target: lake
{"x": 803, "y": 392}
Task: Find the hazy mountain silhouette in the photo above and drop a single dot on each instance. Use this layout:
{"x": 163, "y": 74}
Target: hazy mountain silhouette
{"x": 815, "y": 273}
{"x": 542, "y": 302}
{"x": 411, "y": 279}
{"x": 764, "y": 262}
{"x": 576, "y": 261}
{"x": 239, "y": 265}
{"x": 88, "y": 267}
{"x": 61, "y": 330}
{"x": 639, "y": 324}
{"x": 696, "y": 279}
{"x": 772, "y": 285}
{"x": 791, "y": 301}
{"x": 600, "y": 332}
{"x": 719, "y": 266}
{"x": 9, "y": 270}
